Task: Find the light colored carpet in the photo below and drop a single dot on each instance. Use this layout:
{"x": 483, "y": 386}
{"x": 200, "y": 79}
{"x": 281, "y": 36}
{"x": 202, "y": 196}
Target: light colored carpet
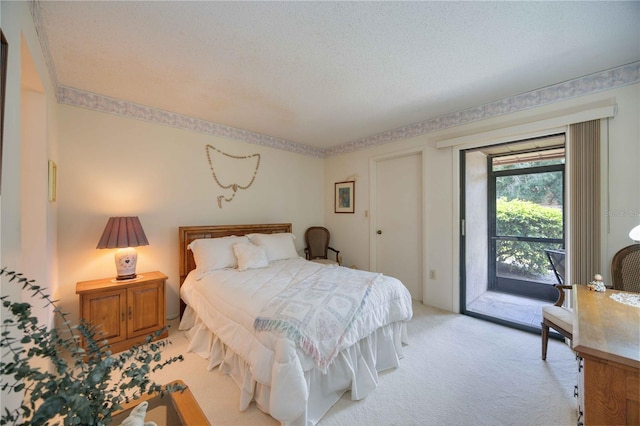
{"x": 457, "y": 370}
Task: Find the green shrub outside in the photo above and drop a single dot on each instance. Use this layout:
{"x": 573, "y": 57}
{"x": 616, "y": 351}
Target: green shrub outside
{"x": 524, "y": 218}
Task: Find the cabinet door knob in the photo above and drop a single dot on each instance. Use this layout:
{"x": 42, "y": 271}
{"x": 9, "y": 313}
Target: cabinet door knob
{"x": 130, "y": 313}
{"x": 379, "y": 232}
{"x": 122, "y": 316}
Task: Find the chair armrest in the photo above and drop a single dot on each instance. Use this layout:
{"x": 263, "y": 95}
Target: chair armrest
{"x": 561, "y": 289}
{"x": 306, "y": 253}
{"x": 337, "y": 252}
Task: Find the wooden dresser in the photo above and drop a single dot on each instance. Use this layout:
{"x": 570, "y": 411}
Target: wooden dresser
{"x": 606, "y": 338}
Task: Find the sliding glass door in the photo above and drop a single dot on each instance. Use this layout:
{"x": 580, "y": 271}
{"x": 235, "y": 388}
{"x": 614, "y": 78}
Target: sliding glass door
{"x": 512, "y": 210}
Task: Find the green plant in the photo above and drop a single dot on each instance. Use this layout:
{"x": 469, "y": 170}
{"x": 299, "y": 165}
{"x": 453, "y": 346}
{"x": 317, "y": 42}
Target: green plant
{"x": 524, "y": 218}
{"x": 81, "y": 387}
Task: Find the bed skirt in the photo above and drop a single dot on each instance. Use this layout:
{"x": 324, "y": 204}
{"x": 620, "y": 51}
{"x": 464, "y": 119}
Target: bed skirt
{"x": 355, "y": 369}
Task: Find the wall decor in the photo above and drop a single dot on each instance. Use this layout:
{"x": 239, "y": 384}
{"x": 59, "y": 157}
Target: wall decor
{"x": 240, "y": 171}
{"x": 345, "y": 197}
{"x": 53, "y": 180}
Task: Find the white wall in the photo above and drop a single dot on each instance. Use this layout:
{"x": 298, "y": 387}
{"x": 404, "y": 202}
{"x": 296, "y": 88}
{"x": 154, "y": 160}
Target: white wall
{"x": 623, "y": 212}
{"x": 441, "y": 179}
{"x": 27, "y": 220}
{"x": 115, "y": 166}
{"x": 28, "y": 241}
{"x": 476, "y": 225}
{"x": 351, "y": 233}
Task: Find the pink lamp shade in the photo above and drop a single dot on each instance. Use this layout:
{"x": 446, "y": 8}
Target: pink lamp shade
{"x": 124, "y": 233}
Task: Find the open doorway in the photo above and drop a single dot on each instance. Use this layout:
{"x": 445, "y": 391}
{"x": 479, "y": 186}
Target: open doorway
{"x": 513, "y": 210}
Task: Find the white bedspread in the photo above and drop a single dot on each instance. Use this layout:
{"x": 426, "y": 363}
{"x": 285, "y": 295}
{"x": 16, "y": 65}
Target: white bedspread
{"x": 227, "y": 302}
{"x": 317, "y": 312}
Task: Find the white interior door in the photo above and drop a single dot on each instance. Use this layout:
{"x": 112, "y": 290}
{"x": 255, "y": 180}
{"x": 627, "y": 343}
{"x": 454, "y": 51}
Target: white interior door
{"x": 398, "y": 223}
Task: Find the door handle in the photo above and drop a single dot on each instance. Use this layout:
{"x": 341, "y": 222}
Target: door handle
{"x": 379, "y": 232}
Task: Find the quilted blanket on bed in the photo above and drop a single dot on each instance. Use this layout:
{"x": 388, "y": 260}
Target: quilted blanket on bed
{"x": 318, "y": 311}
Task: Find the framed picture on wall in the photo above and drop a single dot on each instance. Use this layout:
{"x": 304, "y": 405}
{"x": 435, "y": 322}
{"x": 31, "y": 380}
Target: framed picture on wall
{"x": 345, "y": 197}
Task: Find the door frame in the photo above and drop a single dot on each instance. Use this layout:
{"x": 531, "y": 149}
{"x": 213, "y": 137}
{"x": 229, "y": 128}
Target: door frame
{"x": 373, "y": 181}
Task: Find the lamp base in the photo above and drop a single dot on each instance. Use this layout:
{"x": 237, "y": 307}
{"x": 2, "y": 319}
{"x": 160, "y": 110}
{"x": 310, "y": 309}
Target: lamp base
{"x": 136, "y": 278}
{"x": 126, "y": 277}
{"x": 126, "y": 259}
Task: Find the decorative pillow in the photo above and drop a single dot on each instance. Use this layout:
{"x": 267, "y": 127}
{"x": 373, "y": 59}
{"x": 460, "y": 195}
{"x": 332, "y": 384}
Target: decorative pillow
{"x": 250, "y": 256}
{"x": 278, "y": 246}
{"x": 212, "y": 254}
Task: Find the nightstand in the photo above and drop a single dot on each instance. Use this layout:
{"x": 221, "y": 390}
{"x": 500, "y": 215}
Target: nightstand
{"x": 126, "y": 312}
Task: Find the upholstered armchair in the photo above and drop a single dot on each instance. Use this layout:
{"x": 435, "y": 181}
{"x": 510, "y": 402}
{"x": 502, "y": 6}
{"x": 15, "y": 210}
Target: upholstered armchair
{"x": 557, "y": 316}
{"x": 625, "y": 269}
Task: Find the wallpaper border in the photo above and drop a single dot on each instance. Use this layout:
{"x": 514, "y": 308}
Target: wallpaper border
{"x": 593, "y": 83}
{"x": 101, "y": 103}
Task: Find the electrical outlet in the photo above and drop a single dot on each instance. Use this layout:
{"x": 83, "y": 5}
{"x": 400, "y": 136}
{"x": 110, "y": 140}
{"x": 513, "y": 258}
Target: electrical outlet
{"x": 432, "y": 274}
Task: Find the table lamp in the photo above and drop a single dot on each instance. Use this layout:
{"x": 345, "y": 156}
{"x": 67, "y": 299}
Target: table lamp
{"x": 635, "y": 234}
{"x": 124, "y": 233}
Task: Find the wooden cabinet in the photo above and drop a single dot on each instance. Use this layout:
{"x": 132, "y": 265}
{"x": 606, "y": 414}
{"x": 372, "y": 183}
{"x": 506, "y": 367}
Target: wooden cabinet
{"x": 606, "y": 338}
{"x": 126, "y": 312}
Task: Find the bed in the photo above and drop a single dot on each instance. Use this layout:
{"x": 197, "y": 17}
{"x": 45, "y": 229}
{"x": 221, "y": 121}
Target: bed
{"x": 294, "y": 335}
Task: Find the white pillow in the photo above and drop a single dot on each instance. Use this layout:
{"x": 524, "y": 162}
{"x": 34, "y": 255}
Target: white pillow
{"x": 250, "y": 256}
{"x": 278, "y": 246}
{"x": 211, "y": 254}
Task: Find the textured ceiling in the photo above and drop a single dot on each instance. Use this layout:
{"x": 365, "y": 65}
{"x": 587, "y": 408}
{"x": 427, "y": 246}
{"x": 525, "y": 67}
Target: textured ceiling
{"x": 327, "y": 73}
